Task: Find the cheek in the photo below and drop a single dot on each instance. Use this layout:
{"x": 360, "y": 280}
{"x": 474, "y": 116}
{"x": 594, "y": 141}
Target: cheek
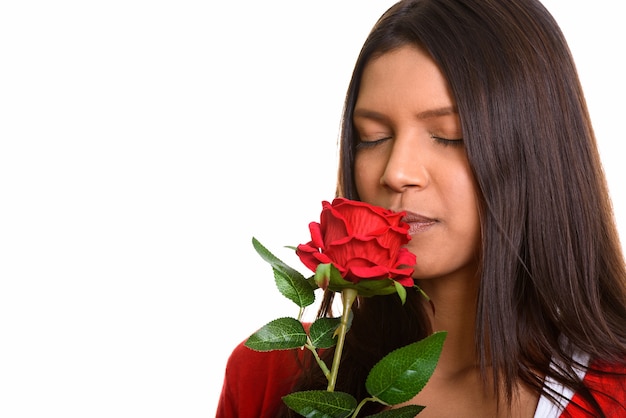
{"x": 365, "y": 178}
{"x": 461, "y": 185}
{"x": 468, "y": 200}
{"x": 461, "y": 197}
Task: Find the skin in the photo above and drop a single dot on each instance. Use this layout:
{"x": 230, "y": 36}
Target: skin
{"x": 411, "y": 158}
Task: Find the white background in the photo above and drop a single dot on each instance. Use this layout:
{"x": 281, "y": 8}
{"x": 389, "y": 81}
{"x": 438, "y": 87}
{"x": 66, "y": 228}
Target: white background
{"x": 143, "y": 144}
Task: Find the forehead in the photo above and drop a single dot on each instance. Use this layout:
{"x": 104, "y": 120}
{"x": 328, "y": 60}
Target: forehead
{"x": 407, "y": 73}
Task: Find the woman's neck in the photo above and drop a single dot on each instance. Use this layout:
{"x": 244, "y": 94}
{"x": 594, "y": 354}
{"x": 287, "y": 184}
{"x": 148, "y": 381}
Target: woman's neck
{"x": 457, "y": 388}
{"x": 454, "y": 311}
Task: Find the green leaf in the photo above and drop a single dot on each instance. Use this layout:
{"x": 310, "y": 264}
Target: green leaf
{"x": 336, "y": 282}
{"x": 365, "y": 288}
{"x": 279, "y": 334}
{"x": 401, "y": 291}
{"x": 322, "y": 332}
{"x": 290, "y": 282}
{"x": 321, "y": 404}
{"x": 298, "y": 291}
{"x": 311, "y": 281}
{"x": 322, "y": 275}
{"x": 377, "y": 285}
{"x": 408, "y": 411}
{"x": 404, "y": 372}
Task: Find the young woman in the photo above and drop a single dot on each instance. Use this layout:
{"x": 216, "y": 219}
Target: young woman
{"x": 469, "y": 116}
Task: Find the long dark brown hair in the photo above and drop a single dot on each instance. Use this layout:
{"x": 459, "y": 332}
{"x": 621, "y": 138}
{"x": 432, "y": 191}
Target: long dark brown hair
{"x": 552, "y": 273}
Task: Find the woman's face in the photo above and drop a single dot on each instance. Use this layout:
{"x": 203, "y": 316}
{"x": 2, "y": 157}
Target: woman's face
{"x": 410, "y": 157}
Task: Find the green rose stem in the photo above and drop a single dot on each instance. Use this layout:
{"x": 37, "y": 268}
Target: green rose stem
{"x": 319, "y": 361}
{"x": 348, "y": 297}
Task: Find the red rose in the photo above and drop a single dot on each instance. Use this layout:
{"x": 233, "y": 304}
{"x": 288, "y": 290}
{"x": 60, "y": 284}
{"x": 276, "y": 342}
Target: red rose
{"x": 364, "y": 242}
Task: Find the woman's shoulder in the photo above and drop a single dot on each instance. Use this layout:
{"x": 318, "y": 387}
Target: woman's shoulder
{"x": 255, "y": 381}
{"x": 260, "y": 364}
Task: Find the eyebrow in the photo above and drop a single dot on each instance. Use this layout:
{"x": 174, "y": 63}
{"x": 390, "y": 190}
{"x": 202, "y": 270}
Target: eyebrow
{"x": 434, "y": 113}
{"x": 426, "y": 114}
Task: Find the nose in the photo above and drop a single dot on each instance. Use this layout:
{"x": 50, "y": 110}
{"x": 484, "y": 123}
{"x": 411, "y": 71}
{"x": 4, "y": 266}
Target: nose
{"x": 405, "y": 168}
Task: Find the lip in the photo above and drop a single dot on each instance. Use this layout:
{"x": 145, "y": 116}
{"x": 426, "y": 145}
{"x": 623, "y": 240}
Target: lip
{"x": 418, "y": 223}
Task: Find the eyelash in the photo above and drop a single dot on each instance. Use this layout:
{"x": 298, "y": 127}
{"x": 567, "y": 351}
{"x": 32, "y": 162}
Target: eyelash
{"x": 442, "y": 141}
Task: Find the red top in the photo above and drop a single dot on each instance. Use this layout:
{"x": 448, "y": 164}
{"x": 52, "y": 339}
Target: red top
{"x": 255, "y": 382}
{"x": 608, "y": 390}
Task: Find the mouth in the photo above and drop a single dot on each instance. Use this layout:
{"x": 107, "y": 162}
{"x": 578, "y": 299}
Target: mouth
{"x": 418, "y": 223}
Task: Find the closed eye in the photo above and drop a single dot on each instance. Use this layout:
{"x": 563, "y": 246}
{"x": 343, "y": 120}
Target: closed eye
{"x": 456, "y": 142}
{"x": 370, "y": 144}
